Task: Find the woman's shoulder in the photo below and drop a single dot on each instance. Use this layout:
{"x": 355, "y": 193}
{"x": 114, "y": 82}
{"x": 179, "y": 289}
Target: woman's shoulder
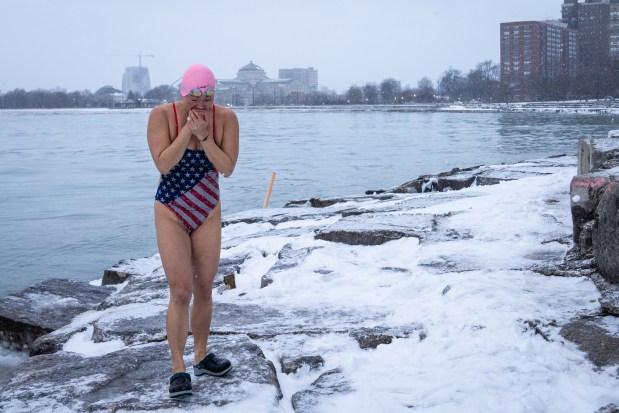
{"x": 162, "y": 111}
{"x": 164, "y": 108}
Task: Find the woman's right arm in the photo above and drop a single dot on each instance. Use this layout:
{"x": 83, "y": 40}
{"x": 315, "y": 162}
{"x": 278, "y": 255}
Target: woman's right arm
{"x": 165, "y": 152}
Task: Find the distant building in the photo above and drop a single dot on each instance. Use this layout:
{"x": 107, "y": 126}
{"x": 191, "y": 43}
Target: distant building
{"x": 586, "y": 46}
{"x": 613, "y": 30}
{"x": 532, "y": 51}
{"x": 253, "y": 87}
{"x": 307, "y": 78}
{"x": 136, "y": 80}
{"x": 597, "y": 25}
{"x": 569, "y": 13}
{"x": 593, "y": 35}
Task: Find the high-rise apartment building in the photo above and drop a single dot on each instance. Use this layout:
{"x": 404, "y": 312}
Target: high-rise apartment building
{"x": 593, "y": 35}
{"x": 613, "y": 29}
{"x": 569, "y": 13}
{"x": 532, "y": 51}
{"x": 597, "y": 25}
{"x": 307, "y": 78}
{"x": 585, "y": 44}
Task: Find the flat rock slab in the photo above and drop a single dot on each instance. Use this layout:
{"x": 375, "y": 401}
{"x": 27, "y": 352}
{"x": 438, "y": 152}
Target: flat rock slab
{"x": 330, "y": 383}
{"x": 136, "y": 378}
{"x": 458, "y": 179}
{"x": 45, "y": 307}
{"x": 376, "y": 229}
{"x": 595, "y": 337}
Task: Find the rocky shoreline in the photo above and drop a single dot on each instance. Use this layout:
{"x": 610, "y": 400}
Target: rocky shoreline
{"x": 102, "y": 346}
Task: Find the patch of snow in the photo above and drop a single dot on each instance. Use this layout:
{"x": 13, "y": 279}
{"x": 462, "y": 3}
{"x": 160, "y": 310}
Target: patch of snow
{"x": 82, "y": 344}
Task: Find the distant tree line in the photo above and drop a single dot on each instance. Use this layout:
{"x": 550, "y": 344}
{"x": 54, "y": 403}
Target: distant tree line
{"x": 389, "y": 91}
{"x": 104, "y": 97}
{"x": 36, "y": 99}
{"x": 481, "y": 84}
{"x": 597, "y": 82}
{"x": 478, "y": 85}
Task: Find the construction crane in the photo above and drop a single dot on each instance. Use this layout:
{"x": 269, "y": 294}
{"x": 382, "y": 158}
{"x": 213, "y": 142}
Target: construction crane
{"x": 140, "y": 55}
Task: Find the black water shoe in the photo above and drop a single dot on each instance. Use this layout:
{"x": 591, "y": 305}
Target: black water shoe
{"x": 180, "y": 385}
{"x": 213, "y": 365}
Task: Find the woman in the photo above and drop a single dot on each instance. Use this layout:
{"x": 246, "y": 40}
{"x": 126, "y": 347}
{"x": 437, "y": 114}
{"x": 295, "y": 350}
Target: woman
{"x": 191, "y": 141}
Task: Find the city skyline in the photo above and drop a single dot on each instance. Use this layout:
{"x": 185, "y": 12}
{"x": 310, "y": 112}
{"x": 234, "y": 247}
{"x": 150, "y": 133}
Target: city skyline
{"x": 576, "y": 55}
{"x": 75, "y": 44}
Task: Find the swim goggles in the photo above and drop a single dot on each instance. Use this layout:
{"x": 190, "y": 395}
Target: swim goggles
{"x": 197, "y": 92}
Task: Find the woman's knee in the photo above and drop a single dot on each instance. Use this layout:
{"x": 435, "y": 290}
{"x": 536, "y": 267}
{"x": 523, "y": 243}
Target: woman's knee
{"x": 203, "y": 289}
{"x": 181, "y": 295}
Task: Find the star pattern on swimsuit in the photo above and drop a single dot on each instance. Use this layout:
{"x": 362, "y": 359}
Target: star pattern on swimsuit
{"x": 192, "y": 167}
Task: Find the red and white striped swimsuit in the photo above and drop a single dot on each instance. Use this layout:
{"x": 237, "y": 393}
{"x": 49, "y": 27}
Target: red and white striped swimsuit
{"x": 191, "y": 189}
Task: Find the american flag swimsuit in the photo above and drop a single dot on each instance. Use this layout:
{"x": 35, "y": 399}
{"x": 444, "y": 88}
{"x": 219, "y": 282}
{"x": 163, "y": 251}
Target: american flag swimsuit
{"x": 191, "y": 189}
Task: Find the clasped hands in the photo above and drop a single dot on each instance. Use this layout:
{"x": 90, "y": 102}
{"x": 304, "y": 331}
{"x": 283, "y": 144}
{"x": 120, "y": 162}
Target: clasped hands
{"x": 198, "y": 124}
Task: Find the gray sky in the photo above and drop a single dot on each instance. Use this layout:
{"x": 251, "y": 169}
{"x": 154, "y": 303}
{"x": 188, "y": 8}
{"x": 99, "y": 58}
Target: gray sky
{"x": 74, "y": 44}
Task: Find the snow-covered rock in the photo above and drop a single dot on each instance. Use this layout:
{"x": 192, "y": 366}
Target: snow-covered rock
{"x": 462, "y": 312}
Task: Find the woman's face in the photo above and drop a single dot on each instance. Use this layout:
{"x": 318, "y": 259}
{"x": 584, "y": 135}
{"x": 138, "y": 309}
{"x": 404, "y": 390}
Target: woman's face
{"x": 201, "y": 103}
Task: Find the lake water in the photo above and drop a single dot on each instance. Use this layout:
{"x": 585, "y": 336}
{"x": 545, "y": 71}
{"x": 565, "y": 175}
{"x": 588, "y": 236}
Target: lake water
{"x": 78, "y": 185}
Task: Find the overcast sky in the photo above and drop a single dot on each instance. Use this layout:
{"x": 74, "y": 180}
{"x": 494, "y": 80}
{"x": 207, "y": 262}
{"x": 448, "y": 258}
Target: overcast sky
{"x": 86, "y": 44}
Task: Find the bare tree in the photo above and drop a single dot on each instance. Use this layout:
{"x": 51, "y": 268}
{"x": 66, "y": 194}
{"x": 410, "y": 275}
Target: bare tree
{"x": 425, "y": 90}
{"x": 389, "y": 90}
{"x": 453, "y": 85}
{"x": 354, "y": 95}
{"x": 370, "y": 93}
{"x": 484, "y": 81}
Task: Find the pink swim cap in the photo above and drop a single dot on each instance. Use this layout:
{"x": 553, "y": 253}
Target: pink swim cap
{"x": 197, "y": 76}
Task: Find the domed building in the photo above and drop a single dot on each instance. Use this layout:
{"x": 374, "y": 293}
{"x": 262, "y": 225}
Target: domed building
{"x": 252, "y": 74}
{"x": 253, "y": 87}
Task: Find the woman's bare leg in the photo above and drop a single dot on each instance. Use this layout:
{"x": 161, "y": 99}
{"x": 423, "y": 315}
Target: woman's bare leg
{"x": 206, "y": 245}
{"x": 175, "y": 249}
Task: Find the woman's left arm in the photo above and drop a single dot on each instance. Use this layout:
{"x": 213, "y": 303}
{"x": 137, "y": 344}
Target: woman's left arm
{"x": 224, "y": 155}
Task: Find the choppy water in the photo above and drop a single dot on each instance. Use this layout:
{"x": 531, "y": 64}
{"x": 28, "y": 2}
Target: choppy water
{"x": 78, "y": 185}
